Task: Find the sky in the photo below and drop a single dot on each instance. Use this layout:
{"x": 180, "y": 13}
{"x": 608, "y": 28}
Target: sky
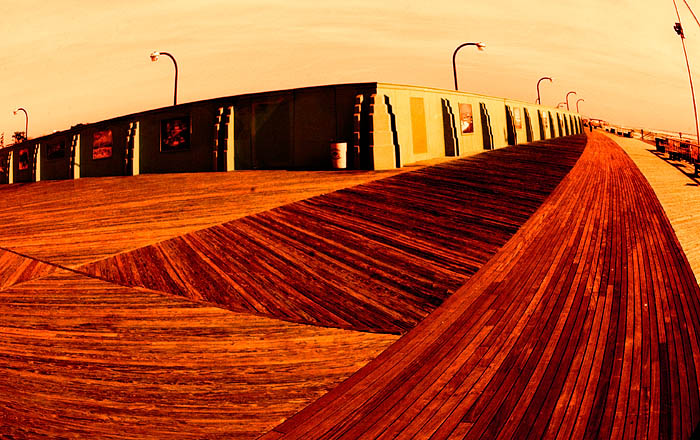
{"x": 68, "y": 61}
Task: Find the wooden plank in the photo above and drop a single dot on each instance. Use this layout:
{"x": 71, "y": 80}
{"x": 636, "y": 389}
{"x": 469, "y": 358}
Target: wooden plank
{"x": 16, "y": 269}
{"x": 77, "y": 221}
{"x": 376, "y": 257}
{"x": 82, "y": 358}
{"x": 584, "y": 324}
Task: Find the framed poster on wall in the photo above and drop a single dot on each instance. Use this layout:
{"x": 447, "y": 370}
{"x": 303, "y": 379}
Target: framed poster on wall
{"x": 174, "y": 134}
{"x": 517, "y": 118}
{"x": 466, "y": 118}
{"x": 102, "y": 144}
{"x": 23, "y": 161}
{"x": 56, "y": 150}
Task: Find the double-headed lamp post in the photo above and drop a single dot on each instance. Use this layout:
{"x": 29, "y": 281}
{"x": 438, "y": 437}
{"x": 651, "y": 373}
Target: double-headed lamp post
{"x": 567, "y": 98}
{"x": 538, "y": 87}
{"x": 26, "y": 121}
{"x": 154, "y": 58}
{"x": 580, "y": 100}
{"x": 479, "y": 46}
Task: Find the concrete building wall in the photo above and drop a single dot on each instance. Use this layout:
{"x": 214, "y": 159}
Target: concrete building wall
{"x": 442, "y": 128}
{"x": 383, "y": 125}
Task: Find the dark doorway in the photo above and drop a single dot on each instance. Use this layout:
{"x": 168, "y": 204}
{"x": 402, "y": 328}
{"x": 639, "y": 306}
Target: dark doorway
{"x": 272, "y": 134}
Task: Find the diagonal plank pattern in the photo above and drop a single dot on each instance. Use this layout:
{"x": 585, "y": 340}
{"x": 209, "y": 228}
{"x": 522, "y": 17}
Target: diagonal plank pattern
{"x": 73, "y": 222}
{"x": 376, "y": 257}
{"x": 16, "y": 269}
{"x": 586, "y": 324}
{"x": 81, "y": 358}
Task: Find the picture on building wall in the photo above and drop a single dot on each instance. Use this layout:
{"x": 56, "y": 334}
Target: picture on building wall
{"x": 466, "y": 118}
{"x": 517, "y": 117}
{"x": 102, "y": 144}
{"x": 23, "y": 161}
{"x": 56, "y": 150}
{"x": 174, "y": 134}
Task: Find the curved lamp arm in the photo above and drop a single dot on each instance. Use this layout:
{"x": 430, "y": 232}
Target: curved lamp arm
{"x": 26, "y": 121}
{"x": 567, "y": 98}
{"x": 479, "y": 46}
{"x": 580, "y": 100}
{"x": 154, "y": 58}
{"x": 538, "y": 87}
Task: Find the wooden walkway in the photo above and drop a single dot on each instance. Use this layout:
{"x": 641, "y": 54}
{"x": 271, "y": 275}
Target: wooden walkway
{"x": 540, "y": 290}
{"x": 70, "y": 223}
{"x": 375, "y": 257}
{"x": 677, "y": 189}
{"x": 586, "y": 324}
{"x": 81, "y": 358}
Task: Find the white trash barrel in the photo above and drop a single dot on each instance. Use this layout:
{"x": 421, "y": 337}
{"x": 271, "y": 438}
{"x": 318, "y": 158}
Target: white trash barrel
{"x": 339, "y": 155}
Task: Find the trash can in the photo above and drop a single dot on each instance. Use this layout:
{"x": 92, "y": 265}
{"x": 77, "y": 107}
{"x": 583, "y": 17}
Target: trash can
{"x": 339, "y": 155}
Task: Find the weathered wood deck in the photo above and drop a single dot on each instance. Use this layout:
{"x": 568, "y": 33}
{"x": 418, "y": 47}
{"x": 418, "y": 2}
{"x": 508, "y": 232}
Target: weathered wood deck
{"x": 677, "y": 189}
{"x": 575, "y": 313}
{"x": 375, "y": 257}
{"x": 584, "y": 325}
{"x": 73, "y": 222}
{"x": 82, "y": 358}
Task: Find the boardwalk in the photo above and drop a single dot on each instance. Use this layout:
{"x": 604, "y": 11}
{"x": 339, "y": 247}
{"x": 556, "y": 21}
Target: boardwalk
{"x": 585, "y": 324}
{"x": 539, "y": 290}
{"x": 376, "y": 257}
{"x": 677, "y": 190}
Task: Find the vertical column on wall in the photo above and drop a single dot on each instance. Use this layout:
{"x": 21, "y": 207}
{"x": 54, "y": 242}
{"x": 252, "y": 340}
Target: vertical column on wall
{"x": 133, "y": 150}
{"x": 36, "y": 169}
{"x": 75, "y": 156}
{"x": 487, "y": 135}
{"x": 230, "y": 140}
{"x": 551, "y": 125}
{"x": 354, "y": 154}
{"x": 381, "y": 137}
{"x": 215, "y": 166}
{"x": 223, "y": 151}
{"x": 10, "y": 167}
{"x": 449, "y": 129}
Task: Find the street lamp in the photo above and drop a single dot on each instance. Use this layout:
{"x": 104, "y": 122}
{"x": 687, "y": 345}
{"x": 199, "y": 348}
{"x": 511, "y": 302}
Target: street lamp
{"x": 538, "y": 87}
{"x": 679, "y": 30}
{"x": 26, "y": 121}
{"x": 479, "y": 46}
{"x": 567, "y": 99}
{"x": 154, "y": 58}
{"x": 577, "y": 104}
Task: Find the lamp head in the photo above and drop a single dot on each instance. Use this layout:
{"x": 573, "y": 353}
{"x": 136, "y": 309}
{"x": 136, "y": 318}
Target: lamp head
{"x": 155, "y": 55}
{"x": 480, "y": 46}
{"x": 14, "y": 112}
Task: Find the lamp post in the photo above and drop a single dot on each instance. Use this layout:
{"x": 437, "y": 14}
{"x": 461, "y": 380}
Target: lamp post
{"x": 581, "y": 99}
{"x": 26, "y": 121}
{"x": 479, "y": 46}
{"x": 154, "y": 58}
{"x": 679, "y": 30}
{"x": 567, "y": 99}
{"x": 538, "y": 87}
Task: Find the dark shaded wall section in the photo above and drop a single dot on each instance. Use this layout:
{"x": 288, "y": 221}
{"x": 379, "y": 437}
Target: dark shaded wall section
{"x": 283, "y": 129}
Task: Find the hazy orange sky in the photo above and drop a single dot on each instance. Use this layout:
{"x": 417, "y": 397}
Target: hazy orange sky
{"x": 70, "y": 61}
